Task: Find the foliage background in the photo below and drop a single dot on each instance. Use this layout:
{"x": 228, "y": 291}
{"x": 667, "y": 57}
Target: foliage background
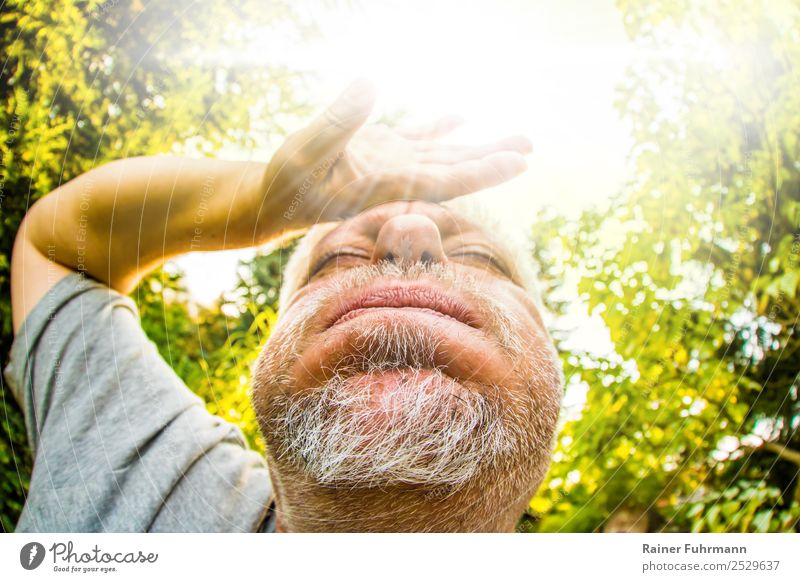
{"x": 687, "y": 423}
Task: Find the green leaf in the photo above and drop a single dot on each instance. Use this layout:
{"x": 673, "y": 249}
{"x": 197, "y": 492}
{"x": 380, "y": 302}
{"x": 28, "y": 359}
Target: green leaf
{"x": 788, "y": 283}
{"x": 761, "y": 521}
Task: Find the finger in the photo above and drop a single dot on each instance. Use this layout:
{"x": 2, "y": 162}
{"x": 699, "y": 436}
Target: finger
{"x": 433, "y": 130}
{"x": 330, "y": 131}
{"x": 473, "y": 175}
{"x": 397, "y": 185}
{"x": 490, "y": 171}
{"x": 439, "y": 182}
{"x": 453, "y": 155}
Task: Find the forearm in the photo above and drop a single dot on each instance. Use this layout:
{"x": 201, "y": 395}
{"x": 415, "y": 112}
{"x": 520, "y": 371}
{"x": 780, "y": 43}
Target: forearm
{"x": 123, "y": 219}
{"x": 119, "y": 221}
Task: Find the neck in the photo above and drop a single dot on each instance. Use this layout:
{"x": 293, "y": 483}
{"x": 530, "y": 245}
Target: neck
{"x": 308, "y": 507}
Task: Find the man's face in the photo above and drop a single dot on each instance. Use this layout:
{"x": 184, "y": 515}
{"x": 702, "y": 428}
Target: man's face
{"x": 410, "y": 355}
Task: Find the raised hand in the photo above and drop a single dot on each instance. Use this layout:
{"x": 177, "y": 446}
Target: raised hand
{"x": 336, "y": 166}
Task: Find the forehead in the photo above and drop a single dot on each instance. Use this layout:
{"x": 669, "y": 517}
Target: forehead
{"x": 369, "y": 222}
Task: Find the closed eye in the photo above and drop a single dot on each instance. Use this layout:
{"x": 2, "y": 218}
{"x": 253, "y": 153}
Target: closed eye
{"x": 334, "y": 257}
{"x": 483, "y": 259}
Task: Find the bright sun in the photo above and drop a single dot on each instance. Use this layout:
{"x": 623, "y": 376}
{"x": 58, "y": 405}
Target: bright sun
{"x": 547, "y": 70}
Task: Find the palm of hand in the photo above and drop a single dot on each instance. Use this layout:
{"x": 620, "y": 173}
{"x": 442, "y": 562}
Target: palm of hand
{"x": 335, "y": 167}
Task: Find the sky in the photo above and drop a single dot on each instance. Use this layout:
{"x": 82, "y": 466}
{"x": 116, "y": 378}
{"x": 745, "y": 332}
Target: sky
{"x": 545, "y": 69}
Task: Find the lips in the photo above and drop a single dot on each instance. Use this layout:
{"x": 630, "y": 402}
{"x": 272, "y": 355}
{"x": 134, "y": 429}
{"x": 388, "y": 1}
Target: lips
{"x": 422, "y": 299}
{"x": 462, "y": 352}
{"x": 458, "y": 338}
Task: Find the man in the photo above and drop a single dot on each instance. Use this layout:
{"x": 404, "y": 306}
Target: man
{"x": 409, "y": 384}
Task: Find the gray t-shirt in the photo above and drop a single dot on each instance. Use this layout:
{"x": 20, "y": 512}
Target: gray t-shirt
{"x": 120, "y": 443}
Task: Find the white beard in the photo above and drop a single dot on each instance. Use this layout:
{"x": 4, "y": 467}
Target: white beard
{"x": 427, "y": 429}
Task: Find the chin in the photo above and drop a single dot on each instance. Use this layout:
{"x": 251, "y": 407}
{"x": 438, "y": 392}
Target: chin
{"x": 392, "y": 427}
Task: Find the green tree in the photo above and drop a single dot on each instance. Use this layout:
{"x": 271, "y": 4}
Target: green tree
{"x": 690, "y": 422}
{"x": 85, "y": 82}
{"x": 258, "y": 285}
{"x": 208, "y": 346}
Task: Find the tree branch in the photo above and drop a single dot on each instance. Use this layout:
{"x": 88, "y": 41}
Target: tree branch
{"x": 783, "y": 452}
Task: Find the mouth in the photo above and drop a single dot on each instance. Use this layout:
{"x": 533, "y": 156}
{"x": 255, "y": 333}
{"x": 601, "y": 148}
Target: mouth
{"x": 370, "y": 327}
{"x": 419, "y": 299}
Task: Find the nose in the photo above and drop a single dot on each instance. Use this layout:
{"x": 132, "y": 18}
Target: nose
{"x": 409, "y": 238}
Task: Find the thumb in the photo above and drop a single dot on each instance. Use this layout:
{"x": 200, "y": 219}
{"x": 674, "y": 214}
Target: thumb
{"x": 332, "y": 129}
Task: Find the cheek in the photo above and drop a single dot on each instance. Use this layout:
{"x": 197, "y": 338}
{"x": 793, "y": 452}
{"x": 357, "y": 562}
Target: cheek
{"x": 301, "y": 317}
{"x": 285, "y": 340}
{"x": 521, "y": 307}
{"x": 283, "y": 345}
{"x": 536, "y": 364}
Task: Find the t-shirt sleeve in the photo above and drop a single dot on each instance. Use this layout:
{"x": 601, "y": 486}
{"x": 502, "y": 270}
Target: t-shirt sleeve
{"x": 120, "y": 443}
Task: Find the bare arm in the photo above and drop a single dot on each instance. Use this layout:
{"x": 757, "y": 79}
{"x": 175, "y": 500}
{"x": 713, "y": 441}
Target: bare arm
{"x": 121, "y": 220}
